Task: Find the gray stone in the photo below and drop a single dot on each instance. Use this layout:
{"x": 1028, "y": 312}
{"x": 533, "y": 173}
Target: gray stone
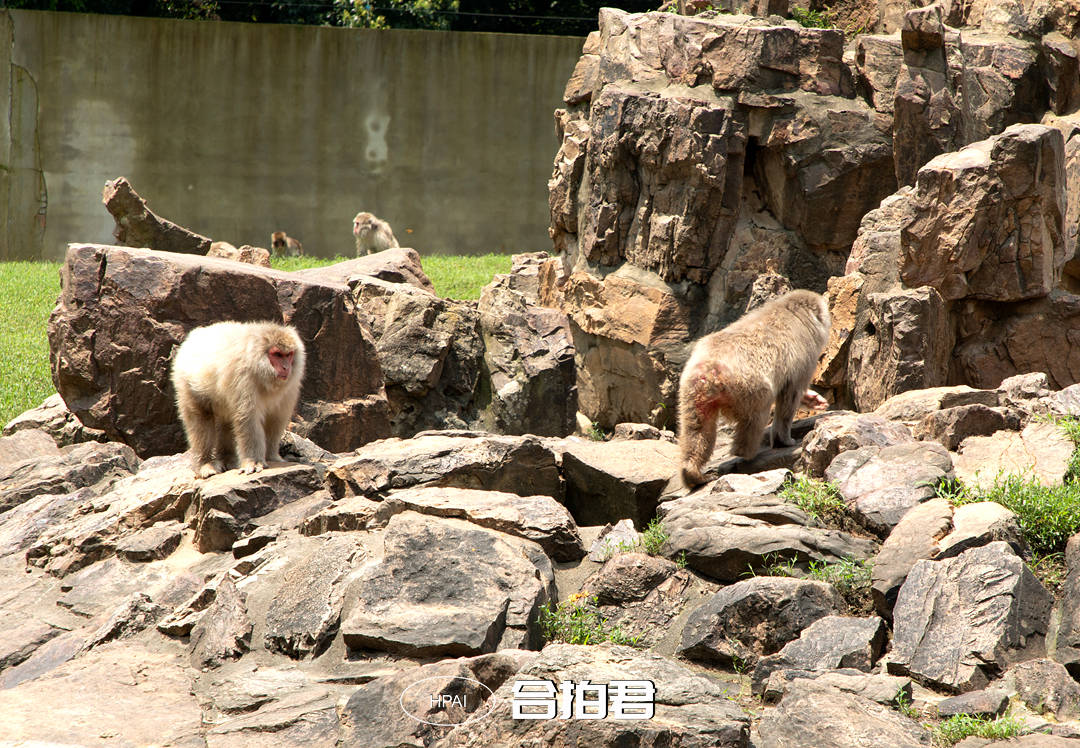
{"x": 826, "y": 644}
{"x": 952, "y": 425}
{"x": 915, "y": 405}
{"x": 224, "y": 630}
{"x": 138, "y": 612}
{"x": 1045, "y": 687}
{"x": 26, "y": 444}
{"x": 540, "y": 519}
{"x": 690, "y": 708}
{"x": 518, "y": 464}
{"x": 990, "y": 702}
{"x": 882, "y": 484}
{"x": 727, "y": 546}
{"x": 609, "y": 481}
{"x": 153, "y": 543}
{"x": 823, "y": 717}
{"x": 84, "y": 465}
{"x": 1041, "y": 450}
{"x": 842, "y": 431}
{"x": 54, "y": 418}
{"x": 755, "y": 618}
{"x": 915, "y": 537}
{"x": 307, "y": 605}
{"x": 529, "y": 355}
{"x": 958, "y": 621}
{"x": 446, "y": 587}
{"x": 877, "y": 687}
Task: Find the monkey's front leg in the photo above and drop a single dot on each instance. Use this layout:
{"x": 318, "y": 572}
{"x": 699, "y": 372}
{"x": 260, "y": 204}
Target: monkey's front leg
{"x": 250, "y": 443}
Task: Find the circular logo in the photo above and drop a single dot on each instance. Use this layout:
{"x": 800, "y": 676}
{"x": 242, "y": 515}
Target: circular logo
{"x": 450, "y": 696}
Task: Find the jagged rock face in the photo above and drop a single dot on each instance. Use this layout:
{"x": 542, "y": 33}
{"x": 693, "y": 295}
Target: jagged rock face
{"x": 122, "y": 312}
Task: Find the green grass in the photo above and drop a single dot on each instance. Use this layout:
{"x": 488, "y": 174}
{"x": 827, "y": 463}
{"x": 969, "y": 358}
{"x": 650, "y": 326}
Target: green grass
{"x": 811, "y": 19}
{"x": 28, "y": 292}
{"x": 1048, "y": 515}
{"x": 454, "y": 276}
{"x": 820, "y": 499}
{"x": 462, "y": 277}
{"x": 961, "y": 726}
{"x": 852, "y": 578}
{"x": 577, "y": 621}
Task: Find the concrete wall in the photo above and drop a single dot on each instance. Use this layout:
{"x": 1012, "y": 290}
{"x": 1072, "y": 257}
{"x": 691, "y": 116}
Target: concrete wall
{"x": 236, "y": 130}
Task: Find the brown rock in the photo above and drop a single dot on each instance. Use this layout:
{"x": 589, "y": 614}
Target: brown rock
{"x": 139, "y": 305}
{"x": 1041, "y": 451}
{"x": 138, "y": 226}
{"x": 246, "y": 253}
{"x": 394, "y": 265}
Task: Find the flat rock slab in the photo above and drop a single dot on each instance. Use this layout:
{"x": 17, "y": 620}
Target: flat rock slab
{"x": 516, "y": 464}
{"x": 225, "y": 503}
{"x": 540, "y": 519}
{"x": 822, "y": 717}
{"x": 915, "y": 405}
{"x": 755, "y": 618}
{"x": 27, "y": 444}
{"x": 882, "y": 484}
{"x": 690, "y": 708}
{"x": 828, "y": 643}
{"x": 725, "y": 546}
{"x": 73, "y": 468}
{"x": 120, "y": 690}
{"x": 834, "y": 433}
{"x": 877, "y": 687}
{"x": 959, "y": 621}
{"x": 914, "y": 538}
{"x": 446, "y": 587}
{"x": 1041, "y": 451}
{"x": 306, "y": 607}
{"x": 153, "y": 543}
{"x": 609, "y": 481}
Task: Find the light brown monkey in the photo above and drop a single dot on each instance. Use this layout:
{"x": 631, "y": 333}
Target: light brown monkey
{"x": 372, "y": 234}
{"x": 285, "y": 245}
{"x": 764, "y": 358}
{"x": 236, "y": 386}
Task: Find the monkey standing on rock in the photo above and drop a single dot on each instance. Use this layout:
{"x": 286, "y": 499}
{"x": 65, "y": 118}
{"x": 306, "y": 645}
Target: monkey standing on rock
{"x": 766, "y": 357}
{"x": 236, "y": 386}
{"x": 372, "y": 234}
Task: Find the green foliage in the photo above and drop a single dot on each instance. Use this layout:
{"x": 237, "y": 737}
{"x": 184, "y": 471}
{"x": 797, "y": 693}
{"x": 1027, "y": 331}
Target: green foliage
{"x": 1048, "y": 515}
{"x": 1071, "y": 426}
{"x": 597, "y": 433}
{"x": 820, "y": 499}
{"x": 577, "y": 621}
{"x": 1050, "y": 569}
{"x": 28, "y": 292}
{"x": 651, "y": 541}
{"x": 811, "y": 19}
{"x": 902, "y": 702}
{"x": 399, "y": 14}
{"x": 961, "y": 726}
{"x": 851, "y": 577}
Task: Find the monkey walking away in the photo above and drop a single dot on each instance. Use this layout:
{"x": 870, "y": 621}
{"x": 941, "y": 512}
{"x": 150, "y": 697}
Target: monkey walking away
{"x": 767, "y": 357}
{"x": 284, "y": 245}
{"x": 236, "y": 386}
{"x": 372, "y": 234}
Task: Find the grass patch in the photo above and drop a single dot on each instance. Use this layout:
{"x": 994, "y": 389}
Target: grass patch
{"x": 811, "y": 19}
{"x": 1048, "y": 515}
{"x": 454, "y": 276}
{"x": 578, "y": 621}
{"x": 28, "y": 292}
{"x": 650, "y": 541}
{"x": 961, "y": 726}
{"x": 852, "y": 578}
{"x": 820, "y": 499}
{"x": 458, "y": 277}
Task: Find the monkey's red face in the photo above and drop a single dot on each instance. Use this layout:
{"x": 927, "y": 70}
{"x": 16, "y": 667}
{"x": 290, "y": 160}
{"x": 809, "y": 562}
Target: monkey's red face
{"x": 281, "y": 361}
{"x": 358, "y": 227}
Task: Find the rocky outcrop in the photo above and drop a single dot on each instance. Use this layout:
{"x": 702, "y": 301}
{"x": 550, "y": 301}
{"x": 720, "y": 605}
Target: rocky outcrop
{"x": 122, "y": 312}
{"x": 138, "y": 226}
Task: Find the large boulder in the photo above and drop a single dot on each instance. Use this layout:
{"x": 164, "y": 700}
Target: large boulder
{"x": 122, "y": 312}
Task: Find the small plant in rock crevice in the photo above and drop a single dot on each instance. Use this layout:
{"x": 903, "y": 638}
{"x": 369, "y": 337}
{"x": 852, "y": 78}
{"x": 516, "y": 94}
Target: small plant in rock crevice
{"x": 577, "y": 620}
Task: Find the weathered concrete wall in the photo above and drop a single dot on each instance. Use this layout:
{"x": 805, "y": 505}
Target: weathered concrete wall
{"x": 236, "y": 130}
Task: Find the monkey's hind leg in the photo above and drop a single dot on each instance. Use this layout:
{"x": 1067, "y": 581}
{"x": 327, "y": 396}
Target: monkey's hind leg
{"x": 275, "y": 427}
{"x": 698, "y": 413}
{"x": 749, "y": 431}
{"x": 787, "y": 402}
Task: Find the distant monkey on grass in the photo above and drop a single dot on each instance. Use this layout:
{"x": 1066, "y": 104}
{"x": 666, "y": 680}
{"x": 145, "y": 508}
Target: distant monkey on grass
{"x": 236, "y": 385}
{"x": 284, "y": 245}
{"x": 372, "y": 234}
{"x": 765, "y": 358}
